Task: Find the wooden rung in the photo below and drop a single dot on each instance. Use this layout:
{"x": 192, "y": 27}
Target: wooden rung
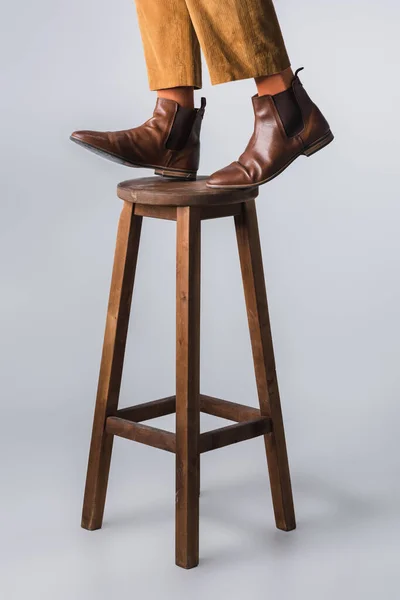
{"x": 216, "y": 212}
{"x": 212, "y": 406}
{"x": 158, "y": 438}
{"x": 169, "y": 212}
{"x": 234, "y": 433}
{"x": 149, "y": 410}
{"x": 228, "y": 410}
{"x": 165, "y": 440}
{"x": 156, "y": 212}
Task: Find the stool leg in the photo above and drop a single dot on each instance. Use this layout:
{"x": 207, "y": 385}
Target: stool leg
{"x": 264, "y": 363}
{"x": 119, "y": 305}
{"x": 187, "y": 387}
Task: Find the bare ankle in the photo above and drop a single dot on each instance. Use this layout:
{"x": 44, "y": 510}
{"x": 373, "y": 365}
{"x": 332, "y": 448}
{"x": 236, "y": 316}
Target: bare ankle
{"x": 270, "y": 85}
{"x": 184, "y": 95}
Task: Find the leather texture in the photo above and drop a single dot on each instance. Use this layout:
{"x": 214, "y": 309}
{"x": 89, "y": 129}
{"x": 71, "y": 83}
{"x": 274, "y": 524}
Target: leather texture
{"x": 147, "y": 145}
{"x": 270, "y": 150}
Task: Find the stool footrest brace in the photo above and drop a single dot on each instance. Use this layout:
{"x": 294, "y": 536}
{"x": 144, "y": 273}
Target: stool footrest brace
{"x": 149, "y": 410}
{"x": 249, "y": 423}
{"x": 225, "y": 436}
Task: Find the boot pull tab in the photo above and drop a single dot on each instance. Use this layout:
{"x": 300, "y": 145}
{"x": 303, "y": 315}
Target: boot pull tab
{"x": 203, "y": 106}
{"x": 298, "y": 71}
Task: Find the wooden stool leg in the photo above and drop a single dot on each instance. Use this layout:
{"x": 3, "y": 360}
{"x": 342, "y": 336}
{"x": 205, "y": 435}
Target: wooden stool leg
{"x": 264, "y": 363}
{"x": 111, "y": 365}
{"x": 187, "y": 387}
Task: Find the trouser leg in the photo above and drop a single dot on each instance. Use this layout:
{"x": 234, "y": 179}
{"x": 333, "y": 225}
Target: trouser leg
{"x": 240, "y": 39}
{"x": 171, "y": 46}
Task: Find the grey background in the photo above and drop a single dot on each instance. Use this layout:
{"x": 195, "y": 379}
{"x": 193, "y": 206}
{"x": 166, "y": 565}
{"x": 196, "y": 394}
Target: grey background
{"x": 331, "y": 246}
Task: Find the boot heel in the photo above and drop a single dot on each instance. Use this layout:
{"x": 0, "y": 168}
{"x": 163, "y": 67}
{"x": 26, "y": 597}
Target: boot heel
{"x": 186, "y": 175}
{"x": 321, "y": 143}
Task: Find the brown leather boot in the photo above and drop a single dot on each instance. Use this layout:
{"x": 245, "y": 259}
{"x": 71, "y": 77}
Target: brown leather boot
{"x": 169, "y": 142}
{"x": 287, "y": 125}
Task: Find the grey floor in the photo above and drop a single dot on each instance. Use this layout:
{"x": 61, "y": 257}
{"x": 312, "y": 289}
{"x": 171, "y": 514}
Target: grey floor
{"x": 346, "y": 544}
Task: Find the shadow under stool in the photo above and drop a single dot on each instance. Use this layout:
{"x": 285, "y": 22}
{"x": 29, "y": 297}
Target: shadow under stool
{"x": 187, "y": 203}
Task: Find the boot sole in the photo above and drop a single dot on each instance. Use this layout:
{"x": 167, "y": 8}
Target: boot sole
{"x": 309, "y": 151}
{"x": 159, "y": 170}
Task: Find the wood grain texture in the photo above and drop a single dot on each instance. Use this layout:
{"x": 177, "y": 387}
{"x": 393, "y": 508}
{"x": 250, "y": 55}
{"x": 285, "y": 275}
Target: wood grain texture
{"x": 159, "y": 211}
{"x": 228, "y": 410}
{"x": 117, "y": 322}
{"x": 145, "y": 434}
{"x": 208, "y": 404}
{"x": 264, "y": 363}
{"x": 187, "y": 386}
{"x": 167, "y": 213}
{"x": 188, "y": 203}
{"x": 232, "y": 434}
{"x": 148, "y": 410}
{"x": 219, "y": 211}
{"x": 170, "y": 192}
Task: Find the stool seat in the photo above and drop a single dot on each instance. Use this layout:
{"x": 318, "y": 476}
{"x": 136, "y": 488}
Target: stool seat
{"x": 159, "y": 191}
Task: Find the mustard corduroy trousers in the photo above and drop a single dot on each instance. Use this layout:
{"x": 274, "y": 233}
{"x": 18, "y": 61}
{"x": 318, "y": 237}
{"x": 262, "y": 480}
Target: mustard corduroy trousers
{"x": 239, "y": 39}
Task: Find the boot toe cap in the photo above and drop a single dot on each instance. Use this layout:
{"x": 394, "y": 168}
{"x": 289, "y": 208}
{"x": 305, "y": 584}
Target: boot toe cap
{"x": 88, "y": 137}
{"x": 96, "y": 141}
{"x": 232, "y": 176}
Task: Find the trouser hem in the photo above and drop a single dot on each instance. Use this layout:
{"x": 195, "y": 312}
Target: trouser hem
{"x": 173, "y": 83}
{"x": 197, "y": 84}
{"x": 271, "y": 69}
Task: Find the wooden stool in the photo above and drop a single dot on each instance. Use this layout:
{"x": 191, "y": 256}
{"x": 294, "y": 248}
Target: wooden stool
{"x": 187, "y": 203}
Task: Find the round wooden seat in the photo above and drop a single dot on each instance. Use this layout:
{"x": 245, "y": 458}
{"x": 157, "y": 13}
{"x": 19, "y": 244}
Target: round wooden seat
{"x": 171, "y": 192}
